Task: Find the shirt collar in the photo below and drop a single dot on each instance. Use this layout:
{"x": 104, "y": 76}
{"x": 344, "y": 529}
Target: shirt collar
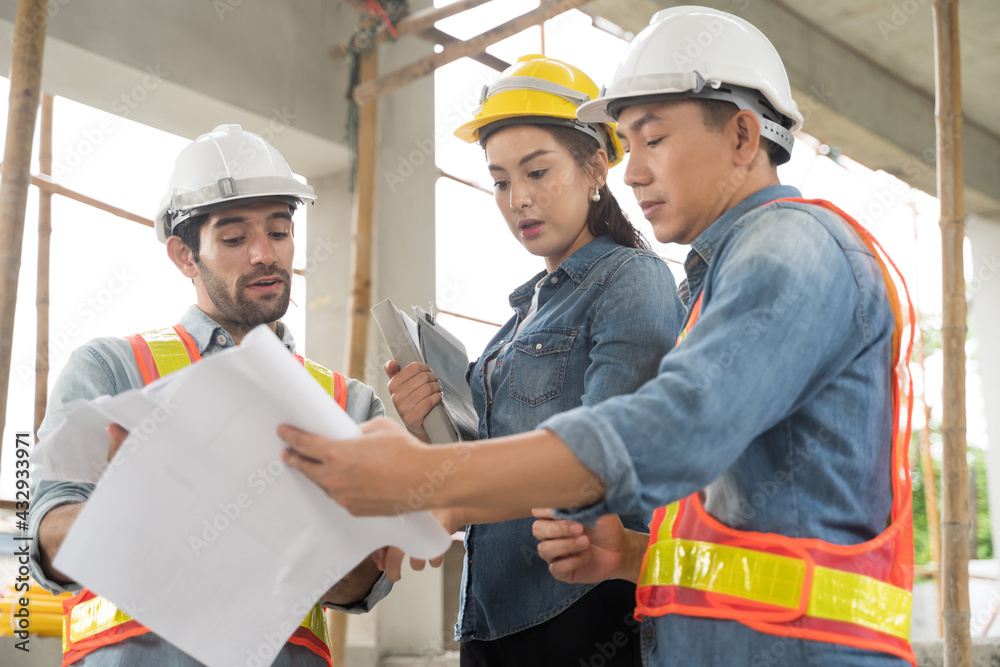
{"x": 579, "y": 264}
{"x": 708, "y": 240}
{"x": 576, "y": 266}
{"x": 206, "y": 332}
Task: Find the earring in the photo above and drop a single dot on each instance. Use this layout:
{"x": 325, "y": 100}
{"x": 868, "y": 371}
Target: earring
{"x": 596, "y": 197}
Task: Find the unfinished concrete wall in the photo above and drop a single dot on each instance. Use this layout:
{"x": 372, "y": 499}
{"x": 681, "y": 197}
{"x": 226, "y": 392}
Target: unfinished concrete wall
{"x": 185, "y": 66}
{"x": 983, "y": 293}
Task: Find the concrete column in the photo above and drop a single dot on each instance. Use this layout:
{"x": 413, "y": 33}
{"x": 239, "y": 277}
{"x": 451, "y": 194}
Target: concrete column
{"x": 328, "y": 273}
{"x": 409, "y": 621}
{"x": 984, "y": 308}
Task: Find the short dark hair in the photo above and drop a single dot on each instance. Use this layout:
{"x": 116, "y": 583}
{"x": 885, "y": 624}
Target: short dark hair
{"x": 715, "y": 114}
{"x": 190, "y": 233}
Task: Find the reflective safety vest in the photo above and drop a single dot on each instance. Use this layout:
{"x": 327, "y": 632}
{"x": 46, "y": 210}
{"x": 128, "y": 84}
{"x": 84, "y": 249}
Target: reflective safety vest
{"x": 91, "y": 621}
{"x": 858, "y": 595}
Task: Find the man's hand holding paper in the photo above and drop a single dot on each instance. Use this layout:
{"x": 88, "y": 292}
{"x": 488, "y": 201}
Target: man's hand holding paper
{"x": 202, "y": 503}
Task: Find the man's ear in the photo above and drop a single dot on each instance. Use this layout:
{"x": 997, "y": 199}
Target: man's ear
{"x": 180, "y": 254}
{"x": 745, "y": 131}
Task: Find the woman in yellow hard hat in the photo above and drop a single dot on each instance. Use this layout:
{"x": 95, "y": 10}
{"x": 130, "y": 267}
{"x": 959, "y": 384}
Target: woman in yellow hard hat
{"x": 595, "y": 323}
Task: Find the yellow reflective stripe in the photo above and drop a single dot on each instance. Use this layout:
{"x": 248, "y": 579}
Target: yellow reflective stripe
{"x": 758, "y": 576}
{"x": 855, "y": 598}
{"x": 100, "y": 614}
{"x": 315, "y": 621}
{"x": 667, "y": 525}
{"x": 321, "y": 375}
{"x": 95, "y": 615}
{"x": 745, "y": 573}
{"x": 168, "y": 350}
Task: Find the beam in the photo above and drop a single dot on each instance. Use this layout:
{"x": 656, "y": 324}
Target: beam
{"x": 414, "y": 23}
{"x": 388, "y": 83}
{"x": 123, "y": 59}
{"x": 444, "y": 39}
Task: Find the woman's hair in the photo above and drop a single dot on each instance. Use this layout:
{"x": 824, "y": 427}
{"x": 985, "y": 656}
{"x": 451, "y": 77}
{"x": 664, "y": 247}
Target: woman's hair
{"x": 605, "y": 216}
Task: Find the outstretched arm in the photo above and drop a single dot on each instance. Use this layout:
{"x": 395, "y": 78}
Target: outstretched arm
{"x": 355, "y": 472}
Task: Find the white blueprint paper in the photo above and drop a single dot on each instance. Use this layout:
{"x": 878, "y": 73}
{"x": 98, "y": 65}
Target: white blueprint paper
{"x": 198, "y": 530}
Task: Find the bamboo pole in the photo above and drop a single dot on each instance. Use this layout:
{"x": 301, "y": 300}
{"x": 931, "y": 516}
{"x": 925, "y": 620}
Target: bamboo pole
{"x": 336, "y": 623}
{"x": 46, "y": 184}
{"x": 383, "y": 85}
{"x": 469, "y": 317}
{"x": 416, "y": 22}
{"x": 42, "y": 283}
{"x": 464, "y": 181}
{"x": 364, "y": 206}
{"x": 955, "y": 538}
{"x": 25, "y": 90}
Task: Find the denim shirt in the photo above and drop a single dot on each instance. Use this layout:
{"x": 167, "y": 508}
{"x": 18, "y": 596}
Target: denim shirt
{"x": 605, "y": 318}
{"x": 106, "y": 366}
{"x": 778, "y": 405}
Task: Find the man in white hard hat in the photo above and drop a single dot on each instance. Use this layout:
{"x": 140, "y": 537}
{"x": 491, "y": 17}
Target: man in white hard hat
{"x": 770, "y": 441}
{"x": 226, "y": 222}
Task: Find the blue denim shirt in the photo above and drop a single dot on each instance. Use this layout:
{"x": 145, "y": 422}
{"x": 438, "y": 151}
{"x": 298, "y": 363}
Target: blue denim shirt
{"x": 778, "y": 410}
{"x": 605, "y": 318}
{"x": 106, "y": 366}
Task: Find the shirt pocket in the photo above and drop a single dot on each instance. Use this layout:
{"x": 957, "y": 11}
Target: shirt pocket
{"x": 538, "y": 367}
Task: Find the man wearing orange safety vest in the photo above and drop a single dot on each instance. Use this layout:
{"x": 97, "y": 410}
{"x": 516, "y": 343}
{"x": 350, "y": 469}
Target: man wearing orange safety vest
{"x": 772, "y": 440}
{"x": 227, "y": 225}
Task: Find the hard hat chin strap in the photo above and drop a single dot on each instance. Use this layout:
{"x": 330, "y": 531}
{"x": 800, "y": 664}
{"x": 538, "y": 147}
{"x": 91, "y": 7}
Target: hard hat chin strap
{"x": 771, "y": 122}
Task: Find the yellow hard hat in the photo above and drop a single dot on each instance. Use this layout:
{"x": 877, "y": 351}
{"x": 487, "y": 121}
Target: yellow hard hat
{"x": 539, "y": 91}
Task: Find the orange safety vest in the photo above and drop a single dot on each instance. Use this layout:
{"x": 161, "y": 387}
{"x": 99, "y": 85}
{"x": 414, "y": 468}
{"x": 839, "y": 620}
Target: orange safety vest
{"x": 858, "y": 595}
{"x": 91, "y": 621}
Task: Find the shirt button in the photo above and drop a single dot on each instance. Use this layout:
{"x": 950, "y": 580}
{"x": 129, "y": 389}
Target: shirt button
{"x": 554, "y": 279}
{"x": 538, "y": 346}
{"x": 221, "y": 339}
{"x": 502, "y": 342}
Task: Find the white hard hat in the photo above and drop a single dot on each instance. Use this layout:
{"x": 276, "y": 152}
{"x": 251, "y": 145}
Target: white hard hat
{"x": 704, "y": 53}
{"x": 221, "y": 168}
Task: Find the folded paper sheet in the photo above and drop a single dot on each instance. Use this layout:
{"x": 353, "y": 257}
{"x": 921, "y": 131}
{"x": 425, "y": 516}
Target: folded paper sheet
{"x": 197, "y": 529}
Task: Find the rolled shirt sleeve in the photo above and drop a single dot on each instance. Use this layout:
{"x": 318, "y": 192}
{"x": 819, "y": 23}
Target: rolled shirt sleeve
{"x": 379, "y": 590}
{"x": 89, "y": 372}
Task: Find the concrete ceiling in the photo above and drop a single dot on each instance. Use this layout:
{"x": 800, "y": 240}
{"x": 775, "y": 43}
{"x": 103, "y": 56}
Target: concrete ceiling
{"x": 863, "y": 72}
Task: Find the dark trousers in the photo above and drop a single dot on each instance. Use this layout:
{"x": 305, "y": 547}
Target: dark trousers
{"x": 596, "y": 631}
